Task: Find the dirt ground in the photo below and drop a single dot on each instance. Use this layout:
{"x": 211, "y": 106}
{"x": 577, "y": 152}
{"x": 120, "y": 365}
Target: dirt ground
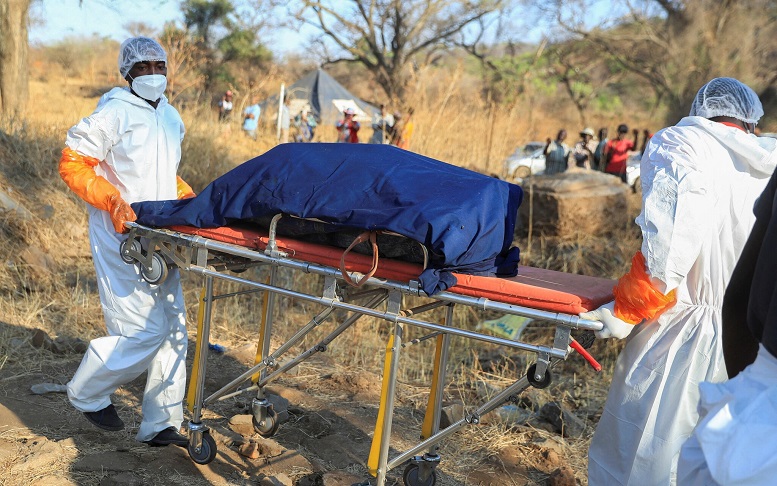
{"x": 325, "y": 441}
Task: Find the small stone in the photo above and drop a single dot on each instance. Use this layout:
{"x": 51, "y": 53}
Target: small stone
{"x": 450, "y": 414}
{"x": 242, "y": 424}
{"x": 563, "y": 476}
{"x": 250, "y": 450}
{"x": 551, "y": 457}
{"x": 40, "y": 339}
{"x": 564, "y": 421}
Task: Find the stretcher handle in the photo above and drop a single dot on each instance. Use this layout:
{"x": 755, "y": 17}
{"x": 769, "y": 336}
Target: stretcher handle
{"x": 370, "y": 236}
{"x": 585, "y": 354}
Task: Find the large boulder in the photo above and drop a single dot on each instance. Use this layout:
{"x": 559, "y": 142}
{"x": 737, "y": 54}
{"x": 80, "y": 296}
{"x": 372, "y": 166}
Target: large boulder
{"x": 575, "y": 201}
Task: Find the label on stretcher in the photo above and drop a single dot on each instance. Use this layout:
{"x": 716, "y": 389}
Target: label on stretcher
{"x": 508, "y": 326}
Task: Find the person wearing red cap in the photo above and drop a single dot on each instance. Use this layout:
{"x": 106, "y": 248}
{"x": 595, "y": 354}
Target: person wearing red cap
{"x": 348, "y": 128}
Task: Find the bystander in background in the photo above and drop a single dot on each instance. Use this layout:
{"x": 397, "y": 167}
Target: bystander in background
{"x": 251, "y": 117}
{"x": 403, "y": 128}
{"x": 556, "y": 154}
{"x": 583, "y": 152}
{"x": 348, "y": 128}
{"x": 617, "y": 152}
{"x": 381, "y": 126}
{"x": 599, "y": 163}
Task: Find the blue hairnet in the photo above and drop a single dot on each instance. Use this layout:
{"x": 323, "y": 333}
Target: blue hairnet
{"x": 727, "y": 97}
{"x": 137, "y": 49}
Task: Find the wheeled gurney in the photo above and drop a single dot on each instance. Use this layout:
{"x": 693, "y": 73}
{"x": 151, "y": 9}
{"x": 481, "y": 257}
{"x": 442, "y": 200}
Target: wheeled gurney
{"x": 221, "y": 253}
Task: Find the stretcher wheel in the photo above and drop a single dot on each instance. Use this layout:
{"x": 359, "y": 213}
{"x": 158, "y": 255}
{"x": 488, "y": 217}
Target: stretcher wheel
{"x": 207, "y": 450}
{"x": 129, "y": 246}
{"x": 543, "y": 383}
{"x": 158, "y": 271}
{"x": 410, "y": 476}
{"x": 269, "y": 426}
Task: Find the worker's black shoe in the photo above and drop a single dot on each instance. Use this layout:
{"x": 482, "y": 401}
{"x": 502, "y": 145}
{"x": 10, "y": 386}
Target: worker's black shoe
{"x": 106, "y": 418}
{"x": 168, "y": 436}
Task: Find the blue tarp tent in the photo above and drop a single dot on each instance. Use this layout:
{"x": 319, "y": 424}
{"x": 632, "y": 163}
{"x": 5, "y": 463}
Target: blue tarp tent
{"x": 320, "y": 89}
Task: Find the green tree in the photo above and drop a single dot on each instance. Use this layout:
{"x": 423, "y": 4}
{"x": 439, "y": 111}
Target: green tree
{"x": 203, "y": 16}
{"x": 228, "y": 36}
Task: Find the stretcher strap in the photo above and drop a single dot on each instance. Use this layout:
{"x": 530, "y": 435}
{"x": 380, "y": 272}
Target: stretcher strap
{"x": 370, "y": 236}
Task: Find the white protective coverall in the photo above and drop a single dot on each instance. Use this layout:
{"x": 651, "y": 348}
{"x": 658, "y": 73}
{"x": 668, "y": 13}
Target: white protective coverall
{"x": 738, "y": 430}
{"x": 139, "y": 149}
{"x": 700, "y": 180}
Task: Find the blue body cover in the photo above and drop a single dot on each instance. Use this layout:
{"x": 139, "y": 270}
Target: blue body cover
{"x": 465, "y": 219}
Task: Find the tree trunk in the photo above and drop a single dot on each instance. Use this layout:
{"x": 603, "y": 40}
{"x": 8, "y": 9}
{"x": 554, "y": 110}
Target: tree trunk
{"x": 14, "y": 70}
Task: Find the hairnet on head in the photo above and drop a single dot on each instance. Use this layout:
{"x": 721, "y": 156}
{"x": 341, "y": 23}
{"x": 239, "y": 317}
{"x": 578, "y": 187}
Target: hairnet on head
{"x": 137, "y": 49}
{"x": 727, "y": 97}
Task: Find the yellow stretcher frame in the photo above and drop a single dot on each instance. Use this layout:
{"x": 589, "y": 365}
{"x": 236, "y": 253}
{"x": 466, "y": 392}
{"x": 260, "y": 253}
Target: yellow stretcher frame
{"x": 212, "y": 259}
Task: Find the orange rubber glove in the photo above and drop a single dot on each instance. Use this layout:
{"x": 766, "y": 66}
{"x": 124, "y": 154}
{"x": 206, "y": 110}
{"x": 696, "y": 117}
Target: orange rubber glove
{"x": 636, "y": 298}
{"x": 121, "y": 212}
{"x": 184, "y": 190}
{"x": 77, "y": 170}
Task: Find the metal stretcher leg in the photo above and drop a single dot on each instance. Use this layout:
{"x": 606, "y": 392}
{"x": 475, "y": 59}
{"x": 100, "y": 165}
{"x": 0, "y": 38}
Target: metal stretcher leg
{"x": 260, "y": 342}
{"x": 265, "y": 419}
{"x": 380, "y": 442}
{"x": 421, "y": 470}
{"x": 202, "y": 447}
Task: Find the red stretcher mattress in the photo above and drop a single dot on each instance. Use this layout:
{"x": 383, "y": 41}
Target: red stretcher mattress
{"x": 536, "y": 288}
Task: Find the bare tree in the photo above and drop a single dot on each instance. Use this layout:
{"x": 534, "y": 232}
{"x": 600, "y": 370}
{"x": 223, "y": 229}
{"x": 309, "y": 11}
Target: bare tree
{"x": 678, "y": 45}
{"x": 386, "y": 36}
{"x": 183, "y": 61}
{"x": 14, "y": 74}
{"x": 584, "y": 76}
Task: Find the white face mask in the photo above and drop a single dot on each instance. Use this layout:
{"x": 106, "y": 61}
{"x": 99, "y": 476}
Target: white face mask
{"x": 150, "y": 87}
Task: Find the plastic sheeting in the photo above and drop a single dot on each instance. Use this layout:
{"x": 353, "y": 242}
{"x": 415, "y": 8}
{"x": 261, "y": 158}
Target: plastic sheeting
{"x": 322, "y": 92}
{"x": 465, "y": 219}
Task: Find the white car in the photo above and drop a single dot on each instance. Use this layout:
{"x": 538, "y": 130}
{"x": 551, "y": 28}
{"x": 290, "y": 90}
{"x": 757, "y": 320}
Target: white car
{"x": 525, "y": 161}
{"x": 632, "y": 172}
{"x": 529, "y": 160}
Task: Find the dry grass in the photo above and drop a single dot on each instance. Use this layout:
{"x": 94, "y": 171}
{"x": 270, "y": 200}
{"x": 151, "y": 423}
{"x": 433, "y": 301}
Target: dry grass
{"x": 62, "y": 299}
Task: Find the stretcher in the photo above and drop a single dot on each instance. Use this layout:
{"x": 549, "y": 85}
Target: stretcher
{"x": 363, "y": 285}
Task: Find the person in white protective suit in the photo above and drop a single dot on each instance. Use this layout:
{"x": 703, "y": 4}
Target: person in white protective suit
{"x": 734, "y": 441}
{"x": 128, "y": 150}
{"x": 700, "y": 179}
